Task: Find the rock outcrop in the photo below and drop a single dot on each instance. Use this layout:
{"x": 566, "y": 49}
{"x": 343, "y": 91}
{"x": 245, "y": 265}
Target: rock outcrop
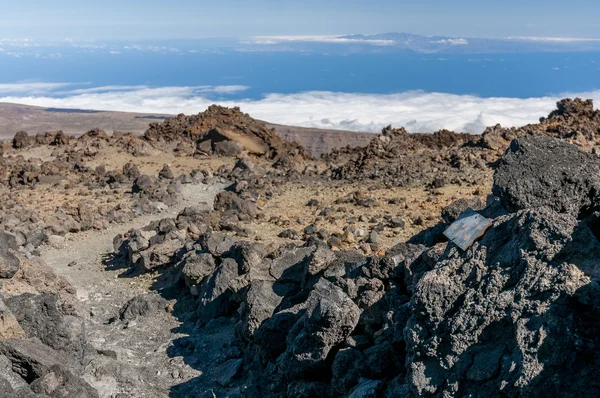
{"x": 225, "y": 131}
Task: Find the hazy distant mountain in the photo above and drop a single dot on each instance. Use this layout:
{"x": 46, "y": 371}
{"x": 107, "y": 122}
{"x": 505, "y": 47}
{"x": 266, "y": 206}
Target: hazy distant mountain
{"x": 433, "y": 44}
{"x": 399, "y": 42}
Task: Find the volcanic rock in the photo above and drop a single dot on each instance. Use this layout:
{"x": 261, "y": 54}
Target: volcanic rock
{"x": 329, "y": 319}
{"x": 141, "y": 306}
{"x": 451, "y": 212}
{"x": 540, "y": 171}
{"x": 22, "y": 140}
{"x": 528, "y": 269}
{"x": 9, "y": 262}
{"x": 43, "y": 317}
{"x": 230, "y": 202}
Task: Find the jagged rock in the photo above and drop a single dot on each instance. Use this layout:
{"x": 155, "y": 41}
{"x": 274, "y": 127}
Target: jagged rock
{"x": 228, "y": 148}
{"x": 261, "y": 300}
{"x": 292, "y": 265}
{"x": 329, "y": 319}
{"x": 166, "y": 173}
{"x": 142, "y": 184}
{"x": 347, "y": 368}
{"x": 9, "y": 325}
{"x": 321, "y": 258}
{"x": 493, "y": 318}
{"x": 142, "y": 306}
{"x": 31, "y": 359}
{"x": 137, "y": 242}
{"x": 217, "y": 290}
{"x": 205, "y": 147}
{"x": 451, "y": 212}
{"x": 228, "y": 371}
{"x": 540, "y": 171}
{"x": 289, "y": 234}
{"x": 382, "y": 361}
{"x": 11, "y": 381}
{"x": 218, "y": 244}
{"x": 230, "y": 202}
{"x": 22, "y": 140}
{"x": 226, "y": 130}
{"x": 60, "y": 139}
{"x": 9, "y": 262}
{"x": 36, "y": 277}
{"x": 131, "y": 171}
{"x": 159, "y": 255}
{"x": 367, "y": 389}
{"x": 60, "y": 382}
{"x": 36, "y": 237}
{"x": 42, "y": 316}
{"x": 196, "y": 267}
{"x": 251, "y": 260}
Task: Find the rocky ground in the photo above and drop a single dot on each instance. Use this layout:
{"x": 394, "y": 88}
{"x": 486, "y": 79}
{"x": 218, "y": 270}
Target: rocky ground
{"x": 210, "y": 258}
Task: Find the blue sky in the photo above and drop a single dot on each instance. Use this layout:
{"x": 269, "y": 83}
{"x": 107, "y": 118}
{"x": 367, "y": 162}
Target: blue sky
{"x": 153, "y": 19}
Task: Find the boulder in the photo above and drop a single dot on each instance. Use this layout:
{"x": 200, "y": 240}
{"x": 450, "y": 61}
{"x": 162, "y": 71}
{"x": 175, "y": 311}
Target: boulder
{"x": 142, "y": 306}
{"x": 227, "y": 201}
{"x": 60, "y": 139}
{"x": 217, "y": 291}
{"x": 131, "y": 171}
{"x": 540, "y": 171}
{"x": 166, "y": 173}
{"x": 292, "y": 265}
{"x": 159, "y": 255}
{"x": 262, "y": 298}
{"x": 31, "y": 359}
{"x": 60, "y": 382}
{"x": 22, "y": 140}
{"x": 196, "y": 267}
{"x": 228, "y": 148}
{"x": 42, "y": 316}
{"x": 329, "y": 319}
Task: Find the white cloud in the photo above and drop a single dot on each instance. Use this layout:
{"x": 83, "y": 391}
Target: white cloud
{"x": 453, "y": 42}
{"x": 31, "y": 87}
{"x": 555, "y": 39}
{"x": 269, "y": 40}
{"x": 416, "y": 110}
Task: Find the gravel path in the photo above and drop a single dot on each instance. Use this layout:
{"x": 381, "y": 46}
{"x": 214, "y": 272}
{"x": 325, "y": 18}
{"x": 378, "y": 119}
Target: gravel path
{"x": 143, "y": 366}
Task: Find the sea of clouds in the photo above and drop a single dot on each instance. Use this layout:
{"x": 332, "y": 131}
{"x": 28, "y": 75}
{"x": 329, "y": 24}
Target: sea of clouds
{"x": 416, "y": 110}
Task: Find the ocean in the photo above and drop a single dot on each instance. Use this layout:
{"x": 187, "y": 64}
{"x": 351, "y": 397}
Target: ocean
{"x": 364, "y": 91}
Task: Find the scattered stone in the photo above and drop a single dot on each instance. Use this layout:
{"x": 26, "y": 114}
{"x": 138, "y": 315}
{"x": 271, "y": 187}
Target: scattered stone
{"x": 166, "y": 173}
{"x": 142, "y": 306}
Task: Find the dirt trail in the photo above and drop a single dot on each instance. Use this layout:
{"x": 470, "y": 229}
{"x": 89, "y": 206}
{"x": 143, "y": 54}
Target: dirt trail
{"x": 143, "y": 366}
